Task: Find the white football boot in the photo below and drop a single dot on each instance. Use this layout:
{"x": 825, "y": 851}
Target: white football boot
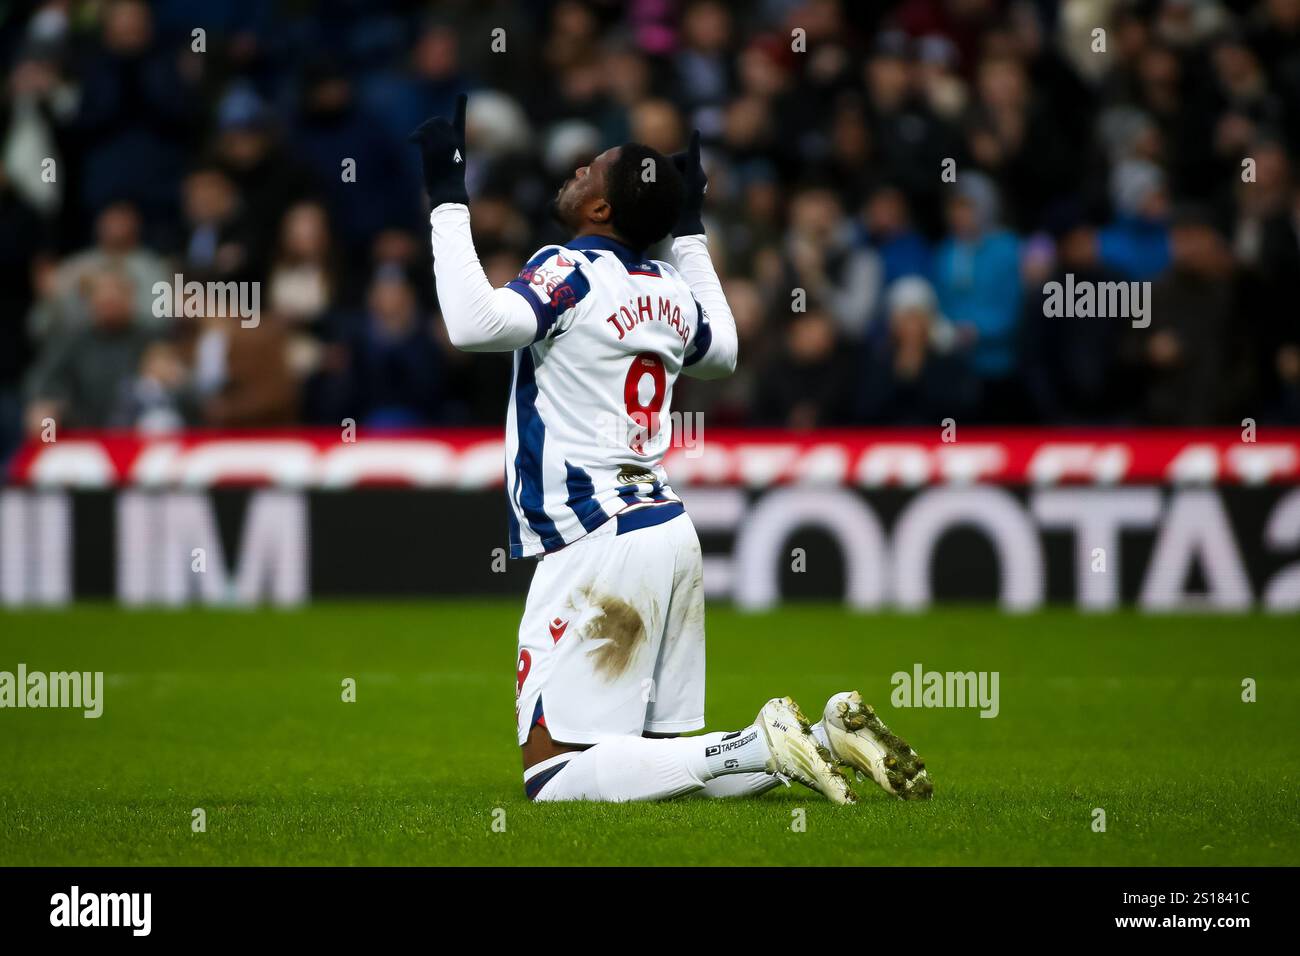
{"x": 861, "y": 740}
{"x": 796, "y": 754}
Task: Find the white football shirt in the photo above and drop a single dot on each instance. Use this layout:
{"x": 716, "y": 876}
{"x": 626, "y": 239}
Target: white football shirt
{"x": 600, "y": 336}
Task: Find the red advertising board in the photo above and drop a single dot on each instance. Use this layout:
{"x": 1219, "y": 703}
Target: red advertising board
{"x": 472, "y": 458}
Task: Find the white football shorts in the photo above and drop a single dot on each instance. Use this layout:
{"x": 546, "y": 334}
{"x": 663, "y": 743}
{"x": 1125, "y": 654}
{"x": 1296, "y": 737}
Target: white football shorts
{"x": 612, "y": 638}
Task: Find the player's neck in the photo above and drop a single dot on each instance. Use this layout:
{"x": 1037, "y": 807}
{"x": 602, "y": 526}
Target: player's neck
{"x": 605, "y": 232}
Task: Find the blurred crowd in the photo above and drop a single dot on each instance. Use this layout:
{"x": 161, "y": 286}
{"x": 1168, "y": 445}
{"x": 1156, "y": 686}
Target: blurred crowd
{"x": 891, "y": 186}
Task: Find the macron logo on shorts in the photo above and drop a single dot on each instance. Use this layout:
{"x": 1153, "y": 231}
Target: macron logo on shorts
{"x": 558, "y": 628}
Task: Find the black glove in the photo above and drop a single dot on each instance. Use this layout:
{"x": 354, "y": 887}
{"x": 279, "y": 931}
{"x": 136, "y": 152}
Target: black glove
{"x": 694, "y": 184}
{"x": 442, "y": 152}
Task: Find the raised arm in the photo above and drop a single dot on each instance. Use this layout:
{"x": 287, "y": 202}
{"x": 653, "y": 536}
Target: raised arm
{"x": 714, "y": 350}
{"x": 478, "y": 317}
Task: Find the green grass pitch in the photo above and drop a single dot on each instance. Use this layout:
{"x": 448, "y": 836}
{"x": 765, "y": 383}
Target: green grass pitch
{"x": 240, "y": 713}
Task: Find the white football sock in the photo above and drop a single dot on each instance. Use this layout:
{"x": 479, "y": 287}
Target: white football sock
{"x": 740, "y": 785}
{"x": 642, "y": 768}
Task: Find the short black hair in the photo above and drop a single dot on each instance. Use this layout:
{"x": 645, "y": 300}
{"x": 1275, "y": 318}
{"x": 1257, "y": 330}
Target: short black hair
{"x": 644, "y": 191}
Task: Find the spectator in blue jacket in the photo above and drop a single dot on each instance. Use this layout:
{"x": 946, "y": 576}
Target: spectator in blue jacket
{"x": 902, "y": 249}
{"x": 977, "y": 278}
{"x": 1136, "y": 242}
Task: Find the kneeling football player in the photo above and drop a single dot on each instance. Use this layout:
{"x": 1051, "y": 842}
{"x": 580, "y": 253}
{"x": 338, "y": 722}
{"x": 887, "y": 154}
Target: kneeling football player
{"x": 611, "y": 646}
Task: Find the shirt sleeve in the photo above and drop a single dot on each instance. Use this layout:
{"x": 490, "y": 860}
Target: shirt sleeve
{"x": 479, "y": 318}
{"x": 712, "y": 351}
{"x": 552, "y": 283}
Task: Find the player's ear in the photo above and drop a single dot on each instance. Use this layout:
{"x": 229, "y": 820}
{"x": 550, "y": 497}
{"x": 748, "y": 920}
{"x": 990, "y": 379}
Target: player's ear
{"x": 599, "y": 210}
